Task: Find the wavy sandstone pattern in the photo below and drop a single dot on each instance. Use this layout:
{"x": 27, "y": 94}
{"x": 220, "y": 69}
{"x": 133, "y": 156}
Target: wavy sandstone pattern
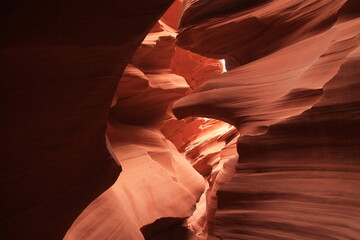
{"x": 162, "y": 158}
{"x": 300, "y": 180}
{"x": 267, "y": 150}
{"x": 295, "y": 102}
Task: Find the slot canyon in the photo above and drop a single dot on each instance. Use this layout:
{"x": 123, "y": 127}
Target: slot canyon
{"x": 180, "y": 120}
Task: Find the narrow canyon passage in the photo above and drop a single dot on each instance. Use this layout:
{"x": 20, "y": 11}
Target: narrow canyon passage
{"x": 171, "y": 168}
{"x": 273, "y": 189}
{"x": 181, "y": 120}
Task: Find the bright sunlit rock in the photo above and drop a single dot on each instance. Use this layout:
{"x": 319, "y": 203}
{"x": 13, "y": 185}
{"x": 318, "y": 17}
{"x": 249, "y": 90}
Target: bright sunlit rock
{"x": 223, "y": 65}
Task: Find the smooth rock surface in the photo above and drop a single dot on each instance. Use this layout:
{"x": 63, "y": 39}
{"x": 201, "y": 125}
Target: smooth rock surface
{"x": 293, "y": 93}
{"x": 60, "y": 64}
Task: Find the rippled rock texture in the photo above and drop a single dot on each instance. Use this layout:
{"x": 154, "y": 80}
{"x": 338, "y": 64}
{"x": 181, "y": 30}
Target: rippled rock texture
{"x": 166, "y": 162}
{"x": 267, "y": 150}
{"x": 293, "y": 93}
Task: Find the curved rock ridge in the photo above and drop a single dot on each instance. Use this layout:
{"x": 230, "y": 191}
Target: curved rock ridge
{"x": 268, "y": 150}
{"x": 201, "y": 140}
{"x": 263, "y": 92}
{"x": 156, "y": 182}
{"x": 60, "y": 64}
{"x": 300, "y": 180}
{"x": 195, "y": 68}
{"x": 163, "y": 159}
{"x": 293, "y": 93}
{"x": 243, "y": 31}
{"x": 202, "y": 219}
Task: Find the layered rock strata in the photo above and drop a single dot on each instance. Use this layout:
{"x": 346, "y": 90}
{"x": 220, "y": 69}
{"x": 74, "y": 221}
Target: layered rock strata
{"x": 164, "y": 160}
{"x": 293, "y": 94}
{"x": 289, "y": 107}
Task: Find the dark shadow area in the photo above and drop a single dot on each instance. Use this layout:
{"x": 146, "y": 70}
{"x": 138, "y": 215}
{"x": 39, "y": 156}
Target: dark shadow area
{"x": 167, "y": 228}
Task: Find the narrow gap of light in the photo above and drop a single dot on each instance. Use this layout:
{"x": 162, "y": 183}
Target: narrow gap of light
{"x": 223, "y": 65}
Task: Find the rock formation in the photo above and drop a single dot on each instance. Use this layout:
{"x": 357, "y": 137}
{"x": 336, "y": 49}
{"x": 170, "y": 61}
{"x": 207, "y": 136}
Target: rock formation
{"x": 293, "y": 93}
{"x": 267, "y": 150}
{"x": 60, "y": 64}
{"x": 163, "y": 159}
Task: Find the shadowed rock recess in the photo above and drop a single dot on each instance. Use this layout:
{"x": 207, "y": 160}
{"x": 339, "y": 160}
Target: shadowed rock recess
{"x": 119, "y": 120}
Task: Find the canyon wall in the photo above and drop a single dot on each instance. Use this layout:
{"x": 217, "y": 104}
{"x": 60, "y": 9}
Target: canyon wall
{"x": 166, "y": 162}
{"x": 60, "y": 65}
{"x": 293, "y": 93}
{"x": 120, "y": 121}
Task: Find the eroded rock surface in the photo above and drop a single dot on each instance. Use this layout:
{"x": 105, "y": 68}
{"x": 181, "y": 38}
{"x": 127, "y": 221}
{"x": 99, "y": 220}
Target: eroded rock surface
{"x": 289, "y": 106}
{"x": 166, "y": 162}
{"x": 300, "y": 180}
{"x": 60, "y": 64}
{"x": 293, "y": 93}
